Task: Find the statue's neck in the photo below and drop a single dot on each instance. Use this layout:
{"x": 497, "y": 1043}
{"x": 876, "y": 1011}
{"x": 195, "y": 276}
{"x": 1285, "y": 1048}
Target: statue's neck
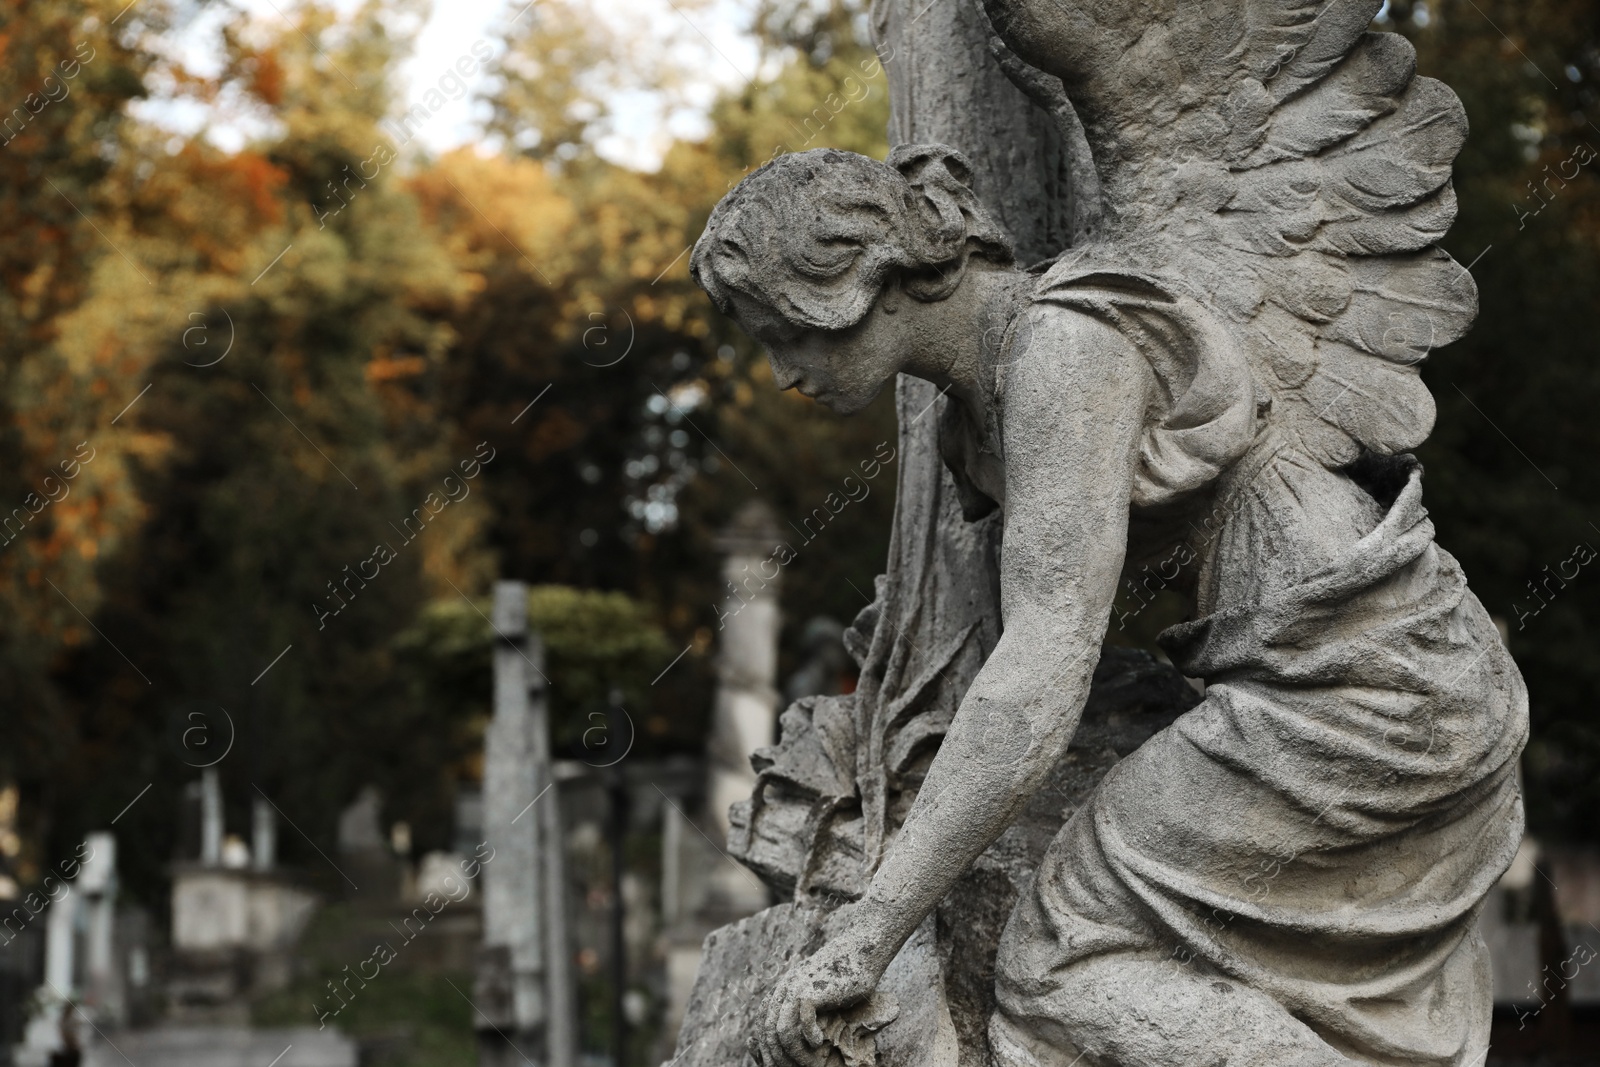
{"x": 963, "y": 334}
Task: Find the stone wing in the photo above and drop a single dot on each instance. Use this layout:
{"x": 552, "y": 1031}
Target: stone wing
{"x": 1284, "y": 165}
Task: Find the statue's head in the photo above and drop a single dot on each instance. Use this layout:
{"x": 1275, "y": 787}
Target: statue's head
{"x": 811, "y": 251}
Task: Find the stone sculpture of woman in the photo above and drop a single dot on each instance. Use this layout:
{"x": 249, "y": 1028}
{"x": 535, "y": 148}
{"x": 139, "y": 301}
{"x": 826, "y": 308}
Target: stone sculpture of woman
{"x": 1291, "y": 874}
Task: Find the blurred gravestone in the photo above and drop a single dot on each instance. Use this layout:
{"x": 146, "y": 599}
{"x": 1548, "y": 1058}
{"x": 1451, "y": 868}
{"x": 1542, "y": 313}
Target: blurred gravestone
{"x": 523, "y": 989}
{"x": 364, "y": 853}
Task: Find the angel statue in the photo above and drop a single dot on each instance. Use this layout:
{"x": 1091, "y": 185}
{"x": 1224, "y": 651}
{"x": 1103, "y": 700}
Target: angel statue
{"x": 1291, "y": 873}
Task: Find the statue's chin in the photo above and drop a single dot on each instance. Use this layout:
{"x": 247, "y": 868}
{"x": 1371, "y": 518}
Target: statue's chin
{"x": 847, "y": 403}
{"x": 843, "y": 405}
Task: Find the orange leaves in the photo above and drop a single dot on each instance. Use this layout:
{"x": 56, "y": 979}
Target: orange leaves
{"x": 267, "y": 77}
{"x": 243, "y": 179}
{"x": 389, "y": 368}
{"x": 259, "y": 181}
{"x": 201, "y": 207}
{"x": 501, "y": 208}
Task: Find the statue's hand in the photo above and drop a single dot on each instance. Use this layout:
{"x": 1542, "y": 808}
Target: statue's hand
{"x": 840, "y": 977}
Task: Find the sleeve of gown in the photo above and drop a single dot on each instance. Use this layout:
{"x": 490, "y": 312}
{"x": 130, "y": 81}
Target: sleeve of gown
{"x": 1206, "y": 416}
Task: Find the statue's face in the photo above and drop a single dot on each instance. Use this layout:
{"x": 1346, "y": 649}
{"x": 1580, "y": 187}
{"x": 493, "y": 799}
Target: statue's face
{"x": 843, "y": 369}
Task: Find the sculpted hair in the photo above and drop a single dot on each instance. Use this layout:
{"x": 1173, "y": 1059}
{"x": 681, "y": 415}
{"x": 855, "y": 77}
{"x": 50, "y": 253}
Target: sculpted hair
{"x": 813, "y": 237}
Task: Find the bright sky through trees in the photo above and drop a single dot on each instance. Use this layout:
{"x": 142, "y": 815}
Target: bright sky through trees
{"x": 705, "y": 41}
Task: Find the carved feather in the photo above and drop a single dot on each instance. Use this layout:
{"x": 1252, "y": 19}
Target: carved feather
{"x": 1334, "y": 32}
{"x": 1401, "y": 308}
{"x": 1364, "y": 87}
{"x": 1384, "y": 406}
{"x": 1388, "y": 232}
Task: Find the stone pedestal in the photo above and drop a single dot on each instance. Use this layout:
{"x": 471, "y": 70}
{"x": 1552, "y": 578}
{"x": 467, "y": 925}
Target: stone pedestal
{"x": 232, "y": 933}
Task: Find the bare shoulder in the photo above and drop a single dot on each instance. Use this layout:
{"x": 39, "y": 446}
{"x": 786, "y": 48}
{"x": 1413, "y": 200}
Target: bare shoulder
{"x": 1069, "y": 377}
{"x": 1074, "y": 402}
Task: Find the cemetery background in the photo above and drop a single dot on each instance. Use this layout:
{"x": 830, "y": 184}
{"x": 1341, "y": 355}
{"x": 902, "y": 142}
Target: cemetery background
{"x": 230, "y": 373}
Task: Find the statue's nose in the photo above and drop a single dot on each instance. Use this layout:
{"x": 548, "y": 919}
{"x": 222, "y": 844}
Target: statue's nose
{"x": 785, "y": 375}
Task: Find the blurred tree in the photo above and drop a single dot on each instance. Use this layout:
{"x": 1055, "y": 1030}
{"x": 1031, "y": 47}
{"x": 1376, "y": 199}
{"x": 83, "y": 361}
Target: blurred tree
{"x": 557, "y": 75}
{"x": 654, "y": 402}
{"x": 597, "y": 646}
{"x": 277, "y": 564}
{"x": 67, "y": 68}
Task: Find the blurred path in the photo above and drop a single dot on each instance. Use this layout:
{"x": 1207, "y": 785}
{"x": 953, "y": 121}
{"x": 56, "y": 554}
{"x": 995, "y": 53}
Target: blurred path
{"x": 223, "y": 1047}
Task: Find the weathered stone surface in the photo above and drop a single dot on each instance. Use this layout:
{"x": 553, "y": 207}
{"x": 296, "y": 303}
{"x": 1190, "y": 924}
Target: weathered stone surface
{"x": 1133, "y": 696}
{"x": 1214, "y": 389}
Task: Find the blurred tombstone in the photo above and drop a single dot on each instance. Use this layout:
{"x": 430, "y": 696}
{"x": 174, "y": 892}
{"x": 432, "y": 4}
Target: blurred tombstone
{"x": 60, "y": 945}
{"x": 441, "y": 873}
{"x": 364, "y": 851}
{"x": 1508, "y": 928}
{"x": 81, "y": 973}
{"x": 43, "y": 1037}
{"x": 1541, "y": 922}
{"x": 234, "y": 917}
{"x": 233, "y": 930}
{"x": 104, "y": 991}
{"x": 358, "y": 823}
{"x": 523, "y": 990}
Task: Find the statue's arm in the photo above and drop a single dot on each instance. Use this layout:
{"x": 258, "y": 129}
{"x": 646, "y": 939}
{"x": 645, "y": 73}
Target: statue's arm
{"x": 1073, "y": 417}
{"x": 1074, "y": 413}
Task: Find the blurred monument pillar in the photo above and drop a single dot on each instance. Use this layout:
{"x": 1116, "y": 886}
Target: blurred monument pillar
{"x": 701, "y": 889}
{"x": 263, "y": 835}
{"x": 60, "y": 971}
{"x": 745, "y": 707}
{"x": 80, "y": 958}
{"x": 210, "y": 818}
{"x": 102, "y": 982}
{"x": 524, "y": 988}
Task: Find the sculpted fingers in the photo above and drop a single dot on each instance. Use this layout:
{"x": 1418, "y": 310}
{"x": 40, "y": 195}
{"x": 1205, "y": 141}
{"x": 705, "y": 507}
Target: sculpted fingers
{"x": 772, "y": 1051}
{"x": 772, "y": 1054}
{"x": 790, "y": 1036}
{"x": 809, "y": 1027}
